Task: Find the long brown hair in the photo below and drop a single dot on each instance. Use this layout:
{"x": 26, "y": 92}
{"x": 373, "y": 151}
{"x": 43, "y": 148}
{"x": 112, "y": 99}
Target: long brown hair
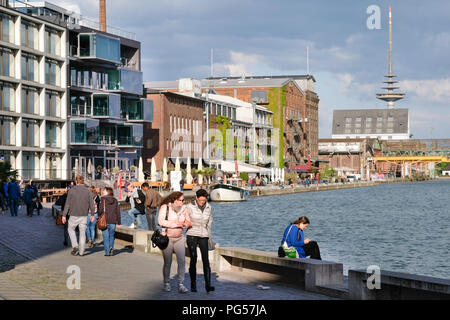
{"x": 171, "y": 197}
{"x": 303, "y": 220}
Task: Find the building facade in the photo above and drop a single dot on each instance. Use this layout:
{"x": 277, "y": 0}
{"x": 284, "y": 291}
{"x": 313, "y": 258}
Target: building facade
{"x": 383, "y": 124}
{"x": 177, "y": 129}
{"x": 106, "y": 110}
{"x": 350, "y": 156}
{"x": 33, "y": 95}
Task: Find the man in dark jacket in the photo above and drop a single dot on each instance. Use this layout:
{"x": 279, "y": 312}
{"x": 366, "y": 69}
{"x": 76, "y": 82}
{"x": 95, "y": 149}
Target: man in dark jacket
{"x": 79, "y": 204}
{"x": 152, "y": 201}
{"x": 13, "y": 196}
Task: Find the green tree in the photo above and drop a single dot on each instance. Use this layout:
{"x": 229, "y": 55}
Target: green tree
{"x": 224, "y": 124}
{"x": 6, "y": 171}
{"x": 243, "y": 176}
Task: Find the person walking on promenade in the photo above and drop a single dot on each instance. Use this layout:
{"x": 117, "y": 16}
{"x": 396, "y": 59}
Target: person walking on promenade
{"x": 198, "y": 235}
{"x": 173, "y": 217}
{"x": 79, "y": 204}
{"x": 152, "y": 202}
{"x": 62, "y": 202}
{"x": 92, "y": 218}
{"x": 3, "y": 198}
{"x": 137, "y": 199}
{"x": 37, "y": 203}
{"x": 13, "y": 196}
{"x": 293, "y": 235}
{"x": 109, "y": 206}
{"x": 29, "y": 197}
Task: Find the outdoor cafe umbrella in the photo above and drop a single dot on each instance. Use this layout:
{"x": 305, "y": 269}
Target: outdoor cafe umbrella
{"x": 165, "y": 176}
{"x": 177, "y": 164}
{"x": 200, "y": 167}
{"x": 189, "y": 177}
{"x": 77, "y": 167}
{"x": 141, "y": 177}
{"x": 153, "y": 170}
{"x": 272, "y": 174}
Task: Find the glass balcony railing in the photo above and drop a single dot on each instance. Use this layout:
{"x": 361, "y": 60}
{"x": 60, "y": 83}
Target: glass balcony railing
{"x": 125, "y": 80}
{"x": 137, "y": 110}
{"x": 106, "y": 105}
{"x": 97, "y": 46}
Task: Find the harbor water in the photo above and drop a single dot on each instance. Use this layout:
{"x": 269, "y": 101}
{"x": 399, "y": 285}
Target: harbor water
{"x": 402, "y": 227}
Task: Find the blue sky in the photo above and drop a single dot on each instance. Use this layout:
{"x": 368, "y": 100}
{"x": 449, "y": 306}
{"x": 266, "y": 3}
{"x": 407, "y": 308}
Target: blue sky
{"x": 268, "y": 37}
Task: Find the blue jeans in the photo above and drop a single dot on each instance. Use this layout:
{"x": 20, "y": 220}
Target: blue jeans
{"x": 13, "y": 205}
{"x": 134, "y": 213}
{"x": 90, "y": 229}
{"x": 108, "y": 237}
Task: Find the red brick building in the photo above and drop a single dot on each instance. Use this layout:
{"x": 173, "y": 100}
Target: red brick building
{"x": 177, "y": 128}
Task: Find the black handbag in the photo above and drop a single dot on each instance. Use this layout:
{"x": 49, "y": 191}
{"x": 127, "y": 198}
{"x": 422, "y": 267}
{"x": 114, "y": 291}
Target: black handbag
{"x": 158, "y": 240}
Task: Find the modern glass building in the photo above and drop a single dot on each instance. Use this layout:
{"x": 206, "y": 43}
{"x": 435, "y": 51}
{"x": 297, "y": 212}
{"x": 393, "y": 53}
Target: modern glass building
{"x": 33, "y": 95}
{"x": 106, "y": 112}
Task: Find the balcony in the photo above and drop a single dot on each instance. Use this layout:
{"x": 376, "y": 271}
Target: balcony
{"x": 95, "y": 46}
{"x": 106, "y": 106}
{"x": 137, "y": 110}
{"x": 130, "y": 135}
{"x": 125, "y": 80}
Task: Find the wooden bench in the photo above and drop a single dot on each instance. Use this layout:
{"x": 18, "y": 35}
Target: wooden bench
{"x": 51, "y": 195}
{"x": 188, "y": 186}
{"x": 397, "y": 286}
{"x": 309, "y": 273}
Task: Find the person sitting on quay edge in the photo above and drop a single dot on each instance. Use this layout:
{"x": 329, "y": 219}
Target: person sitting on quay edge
{"x": 137, "y": 199}
{"x": 294, "y": 237}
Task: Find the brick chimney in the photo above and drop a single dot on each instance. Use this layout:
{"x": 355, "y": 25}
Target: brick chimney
{"x": 102, "y": 20}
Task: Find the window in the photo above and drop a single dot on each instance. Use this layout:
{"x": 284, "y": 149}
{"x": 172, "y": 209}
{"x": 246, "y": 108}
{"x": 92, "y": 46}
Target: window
{"x": 30, "y": 133}
{"x": 52, "y": 104}
{"x": 357, "y": 125}
{"x": 30, "y": 67}
{"x": 368, "y": 120}
{"x": 29, "y": 35}
{"x": 7, "y": 131}
{"x": 379, "y": 119}
{"x": 7, "y": 97}
{"x": 348, "y": 119}
{"x": 368, "y": 125}
{"x": 358, "y": 119}
{"x": 259, "y": 97}
{"x": 28, "y": 165}
{"x": 390, "y": 119}
{"x": 170, "y": 123}
{"x": 6, "y": 63}
{"x": 348, "y": 125}
{"x": 52, "y": 41}
{"x": 6, "y": 28}
{"x": 50, "y": 134}
{"x": 30, "y": 100}
{"x": 52, "y": 73}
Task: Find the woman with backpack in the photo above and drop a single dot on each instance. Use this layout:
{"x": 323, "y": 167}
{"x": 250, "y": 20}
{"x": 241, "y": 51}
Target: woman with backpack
{"x": 109, "y": 206}
{"x": 173, "y": 217}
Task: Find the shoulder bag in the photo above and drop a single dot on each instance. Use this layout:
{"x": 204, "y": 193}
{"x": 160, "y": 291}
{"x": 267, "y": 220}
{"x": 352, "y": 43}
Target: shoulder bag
{"x": 101, "y": 222}
{"x": 290, "y": 252}
{"x": 158, "y": 240}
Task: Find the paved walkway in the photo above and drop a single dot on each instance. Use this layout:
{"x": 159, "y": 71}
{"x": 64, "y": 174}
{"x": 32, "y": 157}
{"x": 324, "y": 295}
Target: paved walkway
{"x": 34, "y": 265}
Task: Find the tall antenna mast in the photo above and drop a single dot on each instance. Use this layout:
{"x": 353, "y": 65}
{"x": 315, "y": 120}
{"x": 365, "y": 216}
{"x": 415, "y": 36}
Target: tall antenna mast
{"x": 212, "y": 63}
{"x": 307, "y": 60}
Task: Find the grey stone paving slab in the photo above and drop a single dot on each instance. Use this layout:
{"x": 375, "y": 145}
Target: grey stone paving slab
{"x": 36, "y": 265}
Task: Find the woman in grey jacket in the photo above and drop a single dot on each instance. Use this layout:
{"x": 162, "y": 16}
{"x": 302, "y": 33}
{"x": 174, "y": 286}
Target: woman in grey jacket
{"x": 198, "y": 235}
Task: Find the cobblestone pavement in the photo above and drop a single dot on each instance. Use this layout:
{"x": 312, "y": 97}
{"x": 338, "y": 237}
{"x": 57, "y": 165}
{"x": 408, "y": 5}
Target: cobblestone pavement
{"x": 34, "y": 265}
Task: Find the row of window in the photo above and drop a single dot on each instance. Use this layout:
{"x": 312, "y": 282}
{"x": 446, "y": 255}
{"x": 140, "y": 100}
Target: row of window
{"x": 369, "y": 125}
{"x": 30, "y": 133}
{"x": 30, "y": 164}
{"x": 30, "y": 100}
{"x": 29, "y": 35}
{"x": 379, "y": 119}
{"x": 190, "y": 125}
{"x": 222, "y": 110}
{"x": 183, "y": 146}
{"x": 347, "y": 131}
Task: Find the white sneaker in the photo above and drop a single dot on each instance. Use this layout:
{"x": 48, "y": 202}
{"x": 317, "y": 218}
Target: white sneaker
{"x": 182, "y": 288}
{"x": 133, "y": 226}
{"x": 167, "y": 287}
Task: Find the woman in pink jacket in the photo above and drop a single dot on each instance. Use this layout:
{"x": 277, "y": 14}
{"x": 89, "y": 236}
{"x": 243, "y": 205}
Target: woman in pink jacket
{"x": 173, "y": 217}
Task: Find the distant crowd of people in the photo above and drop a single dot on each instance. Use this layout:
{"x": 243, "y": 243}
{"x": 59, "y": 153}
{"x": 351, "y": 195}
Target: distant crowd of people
{"x": 11, "y": 197}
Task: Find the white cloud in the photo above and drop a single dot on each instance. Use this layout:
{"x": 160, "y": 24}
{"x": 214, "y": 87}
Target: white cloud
{"x": 435, "y": 90}
{"x": 241, "y": 64}
{"x": 349, "y": 86}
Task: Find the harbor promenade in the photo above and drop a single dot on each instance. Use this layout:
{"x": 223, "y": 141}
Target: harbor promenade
{"x": 34, "y": 265}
